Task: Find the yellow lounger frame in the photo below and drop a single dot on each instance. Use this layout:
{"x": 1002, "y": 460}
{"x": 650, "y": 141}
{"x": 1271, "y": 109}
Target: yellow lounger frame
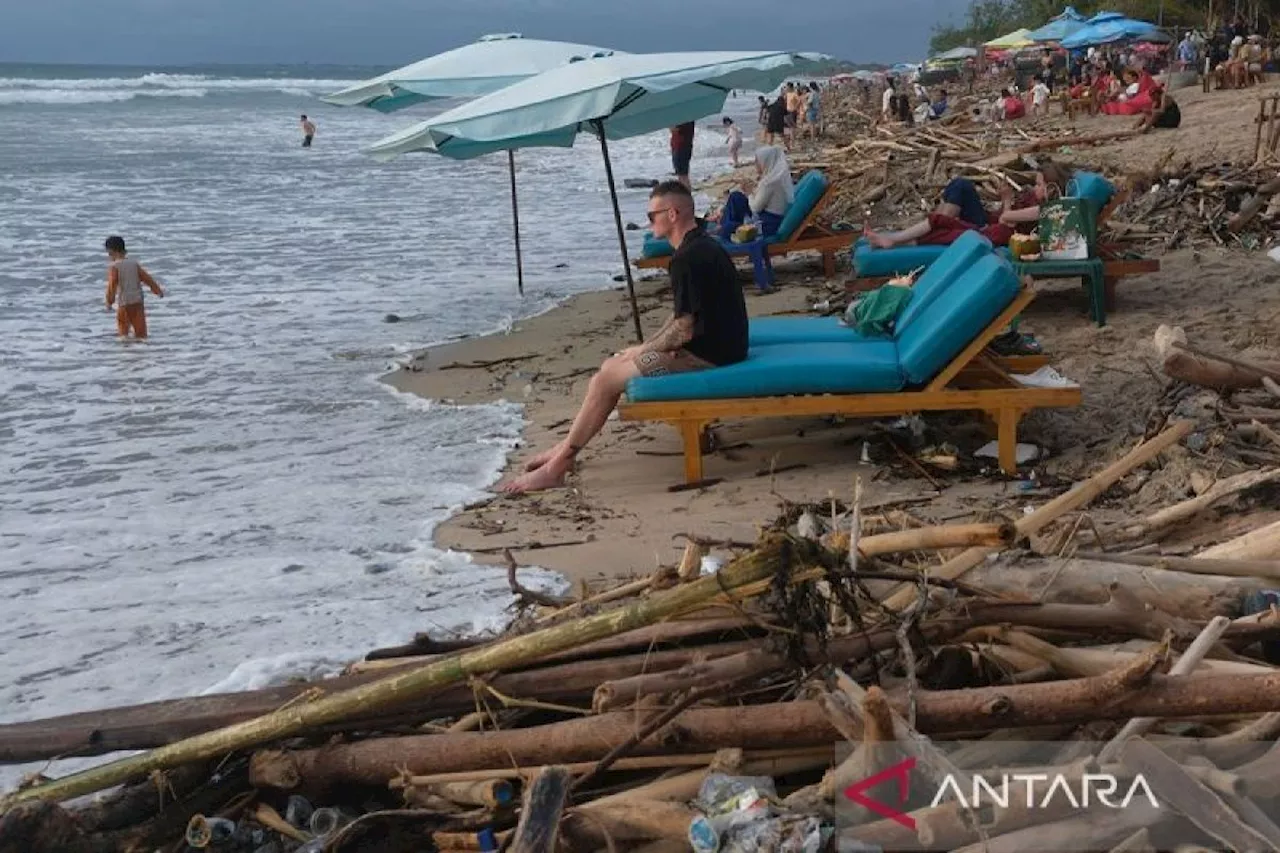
{"x": 974, "y": 380}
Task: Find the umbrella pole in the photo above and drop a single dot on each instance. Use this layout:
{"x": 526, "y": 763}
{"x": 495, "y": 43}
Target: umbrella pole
{"x": 622, "y": 237}
{"x": 515, "y": 217}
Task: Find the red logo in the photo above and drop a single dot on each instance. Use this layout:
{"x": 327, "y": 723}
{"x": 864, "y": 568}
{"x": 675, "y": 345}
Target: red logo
{"x": 902, "y": 772}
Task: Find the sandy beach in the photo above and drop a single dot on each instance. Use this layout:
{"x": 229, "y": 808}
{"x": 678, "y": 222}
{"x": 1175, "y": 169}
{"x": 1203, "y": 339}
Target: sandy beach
{"x": 617, "y": 516}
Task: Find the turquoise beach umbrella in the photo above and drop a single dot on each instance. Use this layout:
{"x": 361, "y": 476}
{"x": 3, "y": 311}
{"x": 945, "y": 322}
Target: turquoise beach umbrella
{"x": 1065, "y": 24}
{"x": 614, "y": 97}
{"x": 1108, "y": 27}
{"x": 486, "y": 65}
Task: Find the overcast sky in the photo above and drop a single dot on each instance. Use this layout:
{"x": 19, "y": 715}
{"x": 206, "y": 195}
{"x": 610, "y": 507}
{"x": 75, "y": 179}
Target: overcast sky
{"x": 393, "y": 32}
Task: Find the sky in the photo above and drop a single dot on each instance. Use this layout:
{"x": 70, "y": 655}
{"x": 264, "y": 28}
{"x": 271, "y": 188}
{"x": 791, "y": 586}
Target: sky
{"x": 394, "y": 32}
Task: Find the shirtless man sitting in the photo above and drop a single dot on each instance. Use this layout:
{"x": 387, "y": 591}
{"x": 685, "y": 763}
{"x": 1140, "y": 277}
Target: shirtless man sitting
{"x": 707, "y": 328}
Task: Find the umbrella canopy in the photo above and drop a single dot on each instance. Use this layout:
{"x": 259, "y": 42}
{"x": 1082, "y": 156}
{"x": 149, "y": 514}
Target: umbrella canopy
{"x": 1067, "y": 23}
{"x": 475, "y": 69}
{"x": 626, "y": 94}
{"x": 1108, "y": 27}
{"x": 614, "y": 97}
{"x": 1012, "y": 41}
{"x": 956, "y": 53}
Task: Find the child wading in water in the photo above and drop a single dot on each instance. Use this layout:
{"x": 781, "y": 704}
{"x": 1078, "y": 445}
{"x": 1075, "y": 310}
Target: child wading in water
{"x": 125, "y": 278}
{"x": 734, "y": 137}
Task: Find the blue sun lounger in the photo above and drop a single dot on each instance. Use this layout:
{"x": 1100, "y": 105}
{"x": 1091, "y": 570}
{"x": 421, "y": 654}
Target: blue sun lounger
{"x": 798, "y": 232}
{"x": 934, "y": 362}
{"x": 1100, "y": 274}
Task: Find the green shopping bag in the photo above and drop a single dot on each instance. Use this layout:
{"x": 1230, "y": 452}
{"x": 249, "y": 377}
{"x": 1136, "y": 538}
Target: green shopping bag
{"x": 1066, "y": 229}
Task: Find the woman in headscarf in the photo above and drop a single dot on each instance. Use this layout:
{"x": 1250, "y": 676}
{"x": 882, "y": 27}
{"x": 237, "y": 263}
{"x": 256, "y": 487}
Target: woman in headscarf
{"x": 769, "y": 199}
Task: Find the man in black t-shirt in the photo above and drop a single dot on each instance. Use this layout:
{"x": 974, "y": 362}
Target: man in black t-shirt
{"x": 707, "y": 328}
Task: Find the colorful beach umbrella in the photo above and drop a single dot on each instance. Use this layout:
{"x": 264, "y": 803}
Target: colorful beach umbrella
{"x": 1062, "y": 25}
{"x": 1015, "y": 40}
{"x": 484, "y": 66}
{"x": 614, "y": 97}
{"x": 1110, "y": 27}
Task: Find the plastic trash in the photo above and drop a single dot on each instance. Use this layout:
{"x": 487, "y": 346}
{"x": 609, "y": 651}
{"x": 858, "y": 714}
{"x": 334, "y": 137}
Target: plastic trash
{"x": 325, "y": 821}
{"x": 1274, "y": 254}
{"x": 298, "y": 810}
{"x": 1024, "y": 452}
{"x": 710, "y": 565}
{"x": 488, "y": 841}
{"x": 727, "y": 803}
{"x": 203, "y": 832}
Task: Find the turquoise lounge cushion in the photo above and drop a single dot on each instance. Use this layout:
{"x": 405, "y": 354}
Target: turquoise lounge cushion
{"x": 655, "y": 247}
{"x": 951, "y": 264}
{"x": 818, "y": 368}
{"x": 808, "y": 190}
{"x": 873, "y": 263}
{"x": 771, "y": 331}
{"x": 955, "y": 260}
{"x": 1093, "y": 187}
{"x": 951, "y": 322}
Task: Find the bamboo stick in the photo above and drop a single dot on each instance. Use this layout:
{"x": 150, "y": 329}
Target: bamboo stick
{"x": 1160, "y": 521}
{"x": 1194, "y": 565}
{"x": 1260, "y": 544}
{"x": 758, "y": 565}
{"x": 1072, "y": 500}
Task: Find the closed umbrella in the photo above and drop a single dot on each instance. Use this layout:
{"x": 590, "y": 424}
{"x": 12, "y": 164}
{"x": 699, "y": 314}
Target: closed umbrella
{"x": 486, "y": 65}
{"x": 1067, "y": 23}
{"x": 614, "y": 97}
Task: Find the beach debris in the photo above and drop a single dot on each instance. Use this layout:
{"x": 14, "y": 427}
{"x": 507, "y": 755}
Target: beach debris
{"x": 391, "y": 318}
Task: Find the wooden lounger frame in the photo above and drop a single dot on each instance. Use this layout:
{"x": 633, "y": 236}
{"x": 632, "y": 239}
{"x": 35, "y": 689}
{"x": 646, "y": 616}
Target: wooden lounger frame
{"x": 809, "y": 236}
{"x": 973, "y": 380}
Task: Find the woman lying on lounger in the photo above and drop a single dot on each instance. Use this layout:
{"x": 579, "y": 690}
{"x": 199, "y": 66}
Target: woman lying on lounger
{"x": 1018, "y": 213}
{"x": 769, "y": 200}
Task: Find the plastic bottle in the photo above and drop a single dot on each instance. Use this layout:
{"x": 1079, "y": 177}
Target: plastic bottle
{"x": 204, "y": 832}
{"x": 298, "y": 811}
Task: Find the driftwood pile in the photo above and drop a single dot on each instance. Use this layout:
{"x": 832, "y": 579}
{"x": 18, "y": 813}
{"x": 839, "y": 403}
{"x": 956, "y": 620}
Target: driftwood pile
{"x": 844, "y": 639}
{"x": 888, "y": 172}
{"x": 1200, "y": 206}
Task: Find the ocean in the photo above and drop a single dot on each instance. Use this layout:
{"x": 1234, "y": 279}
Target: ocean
{"x": 239, "y": 499}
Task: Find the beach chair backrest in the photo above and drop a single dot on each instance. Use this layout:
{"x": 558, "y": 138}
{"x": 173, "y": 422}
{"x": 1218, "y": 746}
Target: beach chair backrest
{"x": 957, "y": 316}
{"x": 1092, "y": 187}
{"x": 958, "y": 258}
{"x": 809, "y": 190}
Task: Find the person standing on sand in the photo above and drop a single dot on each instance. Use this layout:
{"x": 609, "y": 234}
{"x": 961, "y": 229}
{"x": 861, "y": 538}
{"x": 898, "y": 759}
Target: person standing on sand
{"x": 707, "y": 328}
{"x": 308, "y": 131}
{"x": 125, "y": 278}
{"x": 734, "y": 138}
{"x": 682, "y": 151}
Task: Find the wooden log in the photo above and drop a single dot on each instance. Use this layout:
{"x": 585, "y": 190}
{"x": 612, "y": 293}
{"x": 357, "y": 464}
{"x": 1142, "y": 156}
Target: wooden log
{"x": 1269, "y": 569}
{"x": 774, "y": 554}
{"x": 157, "y": 723}
{"x": 1091, "y": 832}
{"x": 1072, "y": 500}
{"x": 800, "y": 724}
{"x": 767, "y": 760}
{"x": 691, "y": 561}
{"x": 1260, "y": 544}
{"x": 544, "y": 803}
{"x": 1182, "y": 595}
{"x": 1180, "y": 361}
{"x": 1185, "y": 665}
{"x": 1200, "y": 804}
{"x": 1161, "y": 521}
{"x": 630, "y": 820}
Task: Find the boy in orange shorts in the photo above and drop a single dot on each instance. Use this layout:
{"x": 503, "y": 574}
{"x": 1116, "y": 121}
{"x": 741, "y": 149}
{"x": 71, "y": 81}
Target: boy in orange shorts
{"x": 125, "y": 278}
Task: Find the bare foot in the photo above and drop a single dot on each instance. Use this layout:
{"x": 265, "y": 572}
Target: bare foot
{"x": 879, "y": 241}
{"x": 541, "y": 459}
{"x": 547, "y": 477}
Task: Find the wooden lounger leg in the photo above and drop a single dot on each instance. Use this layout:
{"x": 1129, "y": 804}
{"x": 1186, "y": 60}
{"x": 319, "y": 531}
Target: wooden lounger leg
{"x": 1109, "y": 292}
{"x": 829, "y": 264}
{"x": 691, "y": 435}
{"x": 1007, "y": 439}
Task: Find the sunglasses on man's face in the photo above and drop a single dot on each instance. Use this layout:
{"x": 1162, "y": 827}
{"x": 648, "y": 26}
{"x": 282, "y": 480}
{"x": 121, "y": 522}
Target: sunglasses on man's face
{"x": 653, "y": 214}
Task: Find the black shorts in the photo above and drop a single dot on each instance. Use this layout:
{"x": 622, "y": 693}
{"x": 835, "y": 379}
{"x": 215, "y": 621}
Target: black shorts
{"x": 306, "y": 141}
{"x": 680, "y": 161}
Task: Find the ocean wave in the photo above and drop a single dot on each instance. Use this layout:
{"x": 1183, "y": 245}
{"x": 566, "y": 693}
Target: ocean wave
{"x": 89, "y": 96}
{"x": 97, "y": 90}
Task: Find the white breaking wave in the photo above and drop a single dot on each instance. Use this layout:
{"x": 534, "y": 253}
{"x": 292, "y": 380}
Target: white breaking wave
{"x": 99, "y": 90}
{"x": 89, "y": 96}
